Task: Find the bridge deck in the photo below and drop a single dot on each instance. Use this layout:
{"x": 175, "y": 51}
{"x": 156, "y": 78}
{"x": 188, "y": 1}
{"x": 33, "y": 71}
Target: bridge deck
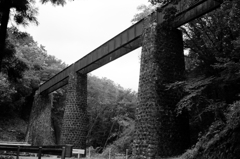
{"x": 125, "y": 42}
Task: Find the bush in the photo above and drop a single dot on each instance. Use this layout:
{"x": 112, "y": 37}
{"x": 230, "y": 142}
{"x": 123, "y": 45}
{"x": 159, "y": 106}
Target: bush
{"x": 222, "y": 141}
{"x": 6, "y": 157}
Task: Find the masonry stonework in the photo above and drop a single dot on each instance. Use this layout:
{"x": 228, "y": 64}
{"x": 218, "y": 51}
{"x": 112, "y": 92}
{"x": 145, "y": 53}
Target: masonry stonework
{"x": 75, "y": 119}
{"x": 158, "y": 131}
{"x": 40, "y": 130}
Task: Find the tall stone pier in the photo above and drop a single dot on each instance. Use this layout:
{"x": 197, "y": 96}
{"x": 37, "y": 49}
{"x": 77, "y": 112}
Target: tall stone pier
{"x": 40, "y": 130}
{"x": 159, "y": 132}
{"x": 75, "y": 119}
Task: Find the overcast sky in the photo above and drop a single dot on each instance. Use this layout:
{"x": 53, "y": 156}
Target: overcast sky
{"x": 72, "y": 31}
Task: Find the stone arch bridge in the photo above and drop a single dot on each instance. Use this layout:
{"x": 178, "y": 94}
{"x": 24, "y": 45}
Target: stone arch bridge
{"x": 158, "y": 131}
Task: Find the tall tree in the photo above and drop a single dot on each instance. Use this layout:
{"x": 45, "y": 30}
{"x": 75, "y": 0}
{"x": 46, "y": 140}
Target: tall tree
{"x": 23, "y": 13}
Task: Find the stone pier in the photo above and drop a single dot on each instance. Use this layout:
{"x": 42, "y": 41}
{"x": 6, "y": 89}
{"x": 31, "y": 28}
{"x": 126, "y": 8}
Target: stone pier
{"x": 75, "y": 119}
{"x": 40, "y": 130}
{"x": 158, "y": 131}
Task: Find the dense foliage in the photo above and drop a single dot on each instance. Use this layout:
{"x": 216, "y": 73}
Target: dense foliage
{"x": 110, "y": 107}
{"x": 22, "y": 12}
{"x": 212, "y": 65}
{"x": 210, "y": 91}
{"x": 113, "y": 106}
{"x": 27, "y": 67}
{"x": 143, "y": 11}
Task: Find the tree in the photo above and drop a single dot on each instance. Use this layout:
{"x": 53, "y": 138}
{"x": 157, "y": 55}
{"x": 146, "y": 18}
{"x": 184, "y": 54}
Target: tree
{"x": 108, "y": 105}
{"x": 144, "y": 11}
{"x": 154, "y": 2}
{"x": 210, "y": 91}
{"x": 55, "y": 2}
{"x": 23, "y": 11}
{"x": 210, "y": 88}
{"x": 25, "y": 66}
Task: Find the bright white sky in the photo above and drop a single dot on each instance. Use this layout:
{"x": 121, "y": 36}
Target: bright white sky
{"x": 72, "y": 31}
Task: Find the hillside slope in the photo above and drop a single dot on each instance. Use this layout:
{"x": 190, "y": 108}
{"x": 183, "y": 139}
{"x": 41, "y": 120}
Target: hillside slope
{"x": 12, "y": 129}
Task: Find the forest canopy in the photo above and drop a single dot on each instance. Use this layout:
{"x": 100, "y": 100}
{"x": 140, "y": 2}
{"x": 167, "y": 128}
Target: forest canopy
{"x": 210, "y": 90}
{"x": 110, "y": 107}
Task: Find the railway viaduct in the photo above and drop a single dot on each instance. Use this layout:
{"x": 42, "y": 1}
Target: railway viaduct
{"x": 158, "y": 131}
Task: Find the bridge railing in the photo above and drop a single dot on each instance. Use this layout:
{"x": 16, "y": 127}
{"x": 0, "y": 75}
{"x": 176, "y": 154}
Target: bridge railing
{"x": 59, "y": 150}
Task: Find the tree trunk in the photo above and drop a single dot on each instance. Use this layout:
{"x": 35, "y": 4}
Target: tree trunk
{"x": 3, "y": 29}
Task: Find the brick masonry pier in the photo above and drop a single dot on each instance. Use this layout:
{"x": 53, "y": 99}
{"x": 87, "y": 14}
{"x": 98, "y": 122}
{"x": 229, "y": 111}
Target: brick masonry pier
{"x": 158, "y": 131}
{"x": 75, "y": 119}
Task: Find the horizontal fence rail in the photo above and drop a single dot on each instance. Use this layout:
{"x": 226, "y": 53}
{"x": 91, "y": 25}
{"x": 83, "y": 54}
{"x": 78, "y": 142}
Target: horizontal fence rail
{"x": 127, "y": 41}
{"x": 15, "y": 143}
{"x": 60, "y": 150}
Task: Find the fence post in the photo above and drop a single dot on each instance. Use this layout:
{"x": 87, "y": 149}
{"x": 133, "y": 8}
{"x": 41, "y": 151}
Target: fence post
{"x": 63, "y": 153}
{"x": 18, "y": 150}
{"x": 126, "y": 153}
{"x": 109, "y": 157}
{"x": 89, "y": 152}
{"x": 40, "y": 153}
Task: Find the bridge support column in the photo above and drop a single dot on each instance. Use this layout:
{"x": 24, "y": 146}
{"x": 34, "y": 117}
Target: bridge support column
{"x": 40, "y": 130}
{"x": 158, "y": 131}
{"x": 75, "y": 119}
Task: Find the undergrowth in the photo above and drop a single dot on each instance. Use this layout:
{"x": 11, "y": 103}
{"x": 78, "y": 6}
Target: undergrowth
{"x": 222, "y": 141}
